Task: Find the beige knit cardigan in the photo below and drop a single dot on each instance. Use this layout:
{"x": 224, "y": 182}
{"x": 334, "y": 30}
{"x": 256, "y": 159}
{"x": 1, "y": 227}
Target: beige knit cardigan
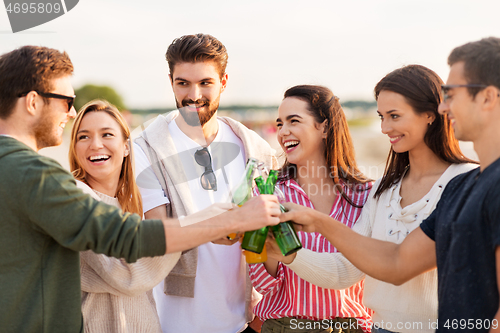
{"x": 117, "y": 296}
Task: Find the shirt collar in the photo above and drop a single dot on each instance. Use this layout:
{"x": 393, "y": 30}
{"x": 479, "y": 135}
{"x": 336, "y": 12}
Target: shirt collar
{"x": 289, "y": 182}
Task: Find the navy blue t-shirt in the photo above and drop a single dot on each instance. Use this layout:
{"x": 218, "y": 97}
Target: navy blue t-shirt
{"x": 466, "y": 228}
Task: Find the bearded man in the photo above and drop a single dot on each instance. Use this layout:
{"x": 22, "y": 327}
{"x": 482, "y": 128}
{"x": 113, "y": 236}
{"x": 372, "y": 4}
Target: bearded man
{"x": 187, "y": 160}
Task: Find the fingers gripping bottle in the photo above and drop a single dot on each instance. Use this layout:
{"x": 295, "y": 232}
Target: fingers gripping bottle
{"x": 254, "y": 241}
{"x": 284, "y": 233}
{"x": 243, "y": 191}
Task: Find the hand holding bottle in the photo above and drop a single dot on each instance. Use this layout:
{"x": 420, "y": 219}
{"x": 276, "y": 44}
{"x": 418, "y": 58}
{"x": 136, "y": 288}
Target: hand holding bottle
{"x": 304, "y": 218}
{"x": 242, "y": 193}
{"x": 274, "y": 252}
{"x": 284, "y": 233}
{"x": 258, "y": 212}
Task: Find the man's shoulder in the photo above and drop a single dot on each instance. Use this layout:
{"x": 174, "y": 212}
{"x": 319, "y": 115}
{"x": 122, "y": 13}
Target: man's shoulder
{"x": 12, "y": 148}
{"x": 33, "y": 168}
{"x": 27, "y": 171}
{"x": 464, "y": 172}
{"x": 235, "y": 125}
{"x": 158, "y": 123}
{"x": 242, "y": 132}
{"x": 21, "y": 157}
{"x": 455, "y": 190}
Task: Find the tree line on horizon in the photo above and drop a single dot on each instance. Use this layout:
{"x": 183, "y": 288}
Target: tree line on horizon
{"x": 88, "y": 92}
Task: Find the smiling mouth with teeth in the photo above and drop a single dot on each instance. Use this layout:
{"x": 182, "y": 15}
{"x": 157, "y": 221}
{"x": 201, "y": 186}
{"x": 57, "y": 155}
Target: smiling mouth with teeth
{"x": 395, "y": 139}
{"x": 195, "y": 105}
{"x": 291, "y": 144}
{"x": 99, "y": 158}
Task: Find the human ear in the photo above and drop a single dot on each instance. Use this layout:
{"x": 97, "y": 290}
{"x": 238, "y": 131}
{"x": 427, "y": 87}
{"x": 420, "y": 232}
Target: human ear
{"x": 324, "y": 127}
{"x": 127, "y": 149}
{"x": 491, "y": 97}
{"x": 31, "y": 103}
{"x": 223, "y": 81}
{"x": 431, "y": 116}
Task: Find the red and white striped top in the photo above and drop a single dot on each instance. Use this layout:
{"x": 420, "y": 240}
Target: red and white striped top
{"x": 288, "y": 295}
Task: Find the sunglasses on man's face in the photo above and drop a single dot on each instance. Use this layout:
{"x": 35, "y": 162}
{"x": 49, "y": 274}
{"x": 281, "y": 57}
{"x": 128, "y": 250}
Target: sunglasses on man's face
{"x": 208, "y": 180}
{"x": 69, "y": 99}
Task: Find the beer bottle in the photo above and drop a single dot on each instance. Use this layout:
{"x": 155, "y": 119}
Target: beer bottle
{"x": 255, "y": 240}
{"x": 243, "y": 191}
{"x": 284, "y": 233}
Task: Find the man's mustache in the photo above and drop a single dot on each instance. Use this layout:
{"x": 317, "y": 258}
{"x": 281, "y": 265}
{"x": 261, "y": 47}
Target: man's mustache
{"x": 201, "y": 102}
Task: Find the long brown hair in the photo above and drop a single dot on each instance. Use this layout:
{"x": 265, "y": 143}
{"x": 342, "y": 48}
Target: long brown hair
{"x": 127, "y": 192}
{"x": 421, "y": 87}
{"x": 339, "y": 149}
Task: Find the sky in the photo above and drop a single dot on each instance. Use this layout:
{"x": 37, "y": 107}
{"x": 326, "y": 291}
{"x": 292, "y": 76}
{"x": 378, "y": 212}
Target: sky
{"x": 347, "y": 46}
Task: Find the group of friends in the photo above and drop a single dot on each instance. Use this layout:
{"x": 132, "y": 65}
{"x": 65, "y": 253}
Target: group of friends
{"x": 133, "y": 239}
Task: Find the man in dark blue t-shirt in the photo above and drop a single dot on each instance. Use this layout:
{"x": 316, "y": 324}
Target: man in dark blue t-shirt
{"x": 462, "y": 236}
{"x": 466, "y": 228}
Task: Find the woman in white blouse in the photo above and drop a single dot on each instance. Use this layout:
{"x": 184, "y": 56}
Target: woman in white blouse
{"x": 424, "y": 157}
{"x": 116, "y": 296}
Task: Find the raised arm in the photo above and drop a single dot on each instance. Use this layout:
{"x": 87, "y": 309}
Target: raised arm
{"x": 216, "y": 222}
{"x": 78, "y": 222}
{"x": 384, "y": 261}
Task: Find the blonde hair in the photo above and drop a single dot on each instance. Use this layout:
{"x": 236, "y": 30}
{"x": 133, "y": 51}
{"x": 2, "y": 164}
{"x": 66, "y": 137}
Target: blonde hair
{"x": 127, "y": 192}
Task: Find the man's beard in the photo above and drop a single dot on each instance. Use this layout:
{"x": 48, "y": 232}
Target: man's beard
{"x": 44, "y": 133}
{"x": 197, "y": 118}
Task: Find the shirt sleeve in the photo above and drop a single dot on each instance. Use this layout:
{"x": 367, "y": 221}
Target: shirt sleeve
{"x": 263, "y": 282}
{"x": 102, "y": 274}
{"x": 56, "y": 207}
{"x": 149, "y": 186}
{"x": 428, "y": 225}
{"x": 332, "y": 270}
{"x": 326, "y": 270}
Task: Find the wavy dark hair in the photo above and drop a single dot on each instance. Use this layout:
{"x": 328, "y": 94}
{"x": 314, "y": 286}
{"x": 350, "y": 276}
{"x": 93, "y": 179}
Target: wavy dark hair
{"x": 339, "y": 149}
{"x": 421, "y": 88}
{"x": 197, "y": 48}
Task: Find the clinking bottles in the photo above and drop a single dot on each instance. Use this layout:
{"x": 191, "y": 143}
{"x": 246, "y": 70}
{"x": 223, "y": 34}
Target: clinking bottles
{"x": 243, "y": 191}
{"x": 284, "y": 233}
{"x": 254, "y": 241}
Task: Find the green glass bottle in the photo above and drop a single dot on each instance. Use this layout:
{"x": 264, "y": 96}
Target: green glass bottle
{"x": 255, "y": 240}
{"x": 243, "y": 191}
{"x": 284, "y": 233}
